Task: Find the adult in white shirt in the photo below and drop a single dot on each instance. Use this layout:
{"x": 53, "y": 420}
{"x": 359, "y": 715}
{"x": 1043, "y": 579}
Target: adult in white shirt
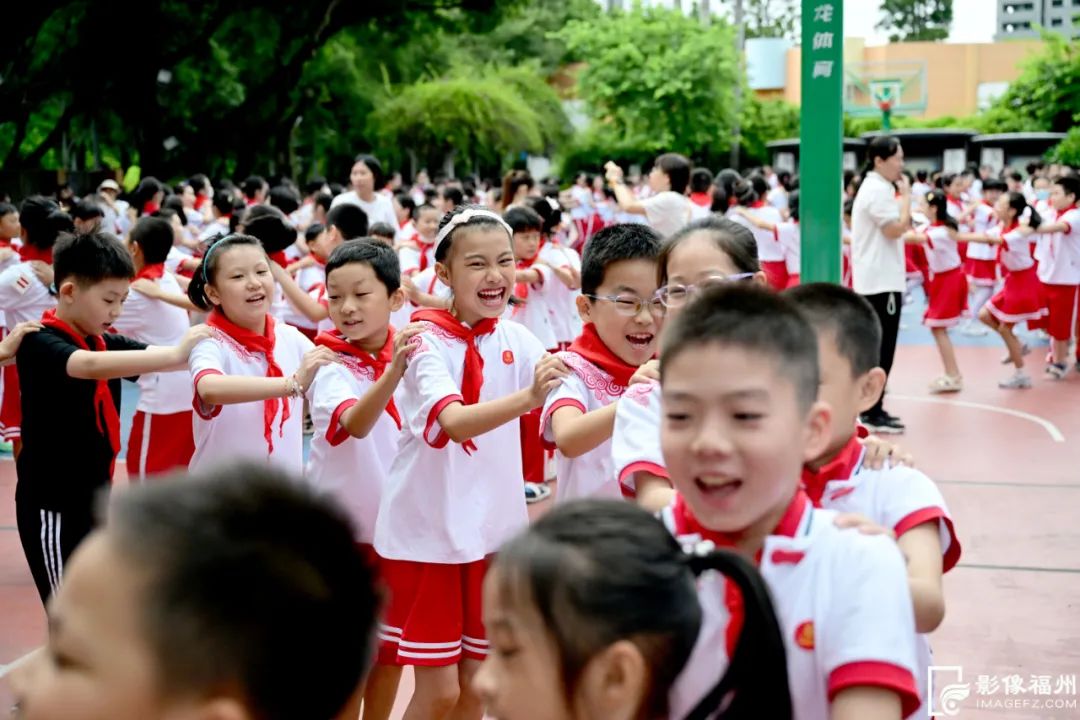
{"x": 366, "y": 175}
{"x": 667, "y": 208}
{"x": 879, "y": 219}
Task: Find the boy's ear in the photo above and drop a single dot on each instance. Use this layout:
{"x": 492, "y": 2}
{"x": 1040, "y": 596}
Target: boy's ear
{"x": 818, "y": 430}
{"x": 584, "y": 308}
{"x": 869, "y": 388}
{"x": 66, "y": 291}
{"x": 397, "y": 299}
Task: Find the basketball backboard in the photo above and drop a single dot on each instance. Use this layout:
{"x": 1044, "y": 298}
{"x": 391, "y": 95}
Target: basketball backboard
{"x": 872, "y": 87}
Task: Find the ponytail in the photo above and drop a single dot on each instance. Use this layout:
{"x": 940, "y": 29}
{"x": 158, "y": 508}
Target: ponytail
{"x": 756, "y": 681}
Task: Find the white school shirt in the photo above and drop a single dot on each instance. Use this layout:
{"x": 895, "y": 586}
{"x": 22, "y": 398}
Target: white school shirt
{"x": 982, "y": 223}
{"x": 309, "y": 279}
{"x": 844, "y": 609}
{"x": 587, "y": 388}
{"x": 562, "y": 305}
{"x": 409, "y": 257}
{"x": 877, "y": 263}
{"x": 667, "y": 211}
{"x": 942, "y": 253}
{"x": 1059, "y": 258}
{"x": 899, "y": 498}
{"x": 352, "y": 470}
{"x": 535, "y": 314}
{"x": 380, "y": 209}
{"x": 442, "y": 504}
{"x": 177, "y": 255}
{"x": 405, "y": 232}
{"x": 232, "y": 432}
{"x": 156, "y": 322}
{"x": 635, "y": 441}
{"x": 788, "y": 235}
{"x": 1016, "y": 249}
{"x": 217, "y": 226}
{"x": 584, "y": 209}
{"x": 427, "y": 282}
{"x": 22, "y": 296}
{"x": 769, "y": 248}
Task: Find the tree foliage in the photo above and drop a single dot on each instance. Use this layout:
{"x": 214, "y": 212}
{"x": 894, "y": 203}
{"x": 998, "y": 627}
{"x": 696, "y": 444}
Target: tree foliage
{"x": 772, "y": 18}
{"x": 916, "y": 20}
{"x": 1067, "y": 151}
{"x": 1046, "y": 96}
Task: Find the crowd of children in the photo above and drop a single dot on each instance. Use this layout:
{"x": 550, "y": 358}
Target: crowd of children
{"x": 448, "y": 349}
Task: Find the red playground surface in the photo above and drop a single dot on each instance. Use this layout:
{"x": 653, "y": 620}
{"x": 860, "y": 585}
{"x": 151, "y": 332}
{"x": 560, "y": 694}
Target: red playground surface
{"x": 1008, "y": 463}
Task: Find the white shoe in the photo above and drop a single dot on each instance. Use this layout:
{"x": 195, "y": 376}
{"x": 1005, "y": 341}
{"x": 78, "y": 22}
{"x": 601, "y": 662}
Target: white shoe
{"x": 1018, "y": 381}
{"x": 974, "y": 329}
{"x": 946, "y": 384}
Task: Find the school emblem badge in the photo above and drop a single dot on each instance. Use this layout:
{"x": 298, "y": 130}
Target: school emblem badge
{"x": 804, "y": 635}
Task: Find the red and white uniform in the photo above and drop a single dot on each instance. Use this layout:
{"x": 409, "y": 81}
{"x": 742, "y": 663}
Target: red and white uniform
{"x": 948, "y": 285}
{"x": 635, "y": 441}
{"x": 22, "y": 298}
{"x": 981, "y": 266}
{"x": 535, "y": 314}
{"x": 770, "y": 251}
{"x": 1059, "y": 271}
{"x": 353, "y": 470}
{"x": 842, "y": 601}
{"x": 427, "y": 282}
{"x": 447, "y": 507}
{"x": 318, "y": 294}
{"x": 161, "y": 433}
{"x": 417, "y": 256}
{"x": 787, "y": 233}
{"x": 267, "y": 431}
{"x": 562, "y": 307}
{"x": 845, "y": 254}
{"x": 309, "y": 279}
{"x": 597, "y": 378}
{"x": 1020, "y": 299}
{"x": 898, "y": 498}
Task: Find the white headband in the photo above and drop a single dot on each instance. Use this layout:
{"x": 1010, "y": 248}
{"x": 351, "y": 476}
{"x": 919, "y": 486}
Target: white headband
{"x": 465, "y": 217}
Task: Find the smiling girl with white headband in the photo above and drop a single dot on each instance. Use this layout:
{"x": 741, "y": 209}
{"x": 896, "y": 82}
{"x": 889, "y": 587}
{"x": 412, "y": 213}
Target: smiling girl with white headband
{"x": 453, "y": 494}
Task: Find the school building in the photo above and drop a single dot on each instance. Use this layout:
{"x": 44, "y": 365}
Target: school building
{"x": 933, "y": 79}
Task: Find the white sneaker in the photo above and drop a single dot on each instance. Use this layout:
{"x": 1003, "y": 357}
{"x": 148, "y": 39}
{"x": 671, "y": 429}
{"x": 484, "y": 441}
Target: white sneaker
{"x": 1018, "y": 381}
{"x": 1055, "y": 371}
{"x": 946, "y": 384}
{"x": 975, "y": 329}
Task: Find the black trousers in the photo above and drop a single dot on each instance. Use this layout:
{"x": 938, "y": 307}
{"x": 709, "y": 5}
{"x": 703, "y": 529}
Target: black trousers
{"x": 49, "y": 537}
{"x": 887, "y": 306}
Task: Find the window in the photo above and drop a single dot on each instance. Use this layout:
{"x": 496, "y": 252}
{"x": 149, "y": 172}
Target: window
{"x": 1057, "y": 3}
{"x": 1056, "y": 22}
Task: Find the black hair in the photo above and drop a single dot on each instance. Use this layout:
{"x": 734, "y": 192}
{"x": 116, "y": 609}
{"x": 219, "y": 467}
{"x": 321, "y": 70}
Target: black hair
{"x": 405, "y": 200}
{"x": 350, "y": 220}
{"x": 523, "y": 219}
{"x": 284, "y": 198}
{"x": 937, "y": 200}
{"x": 1015, "y": 176}
{"x": 921, "y": 175}
{"x": 90, "y": 258}
{"x": 374, "y": 166}
{"x": 849, "y": 319}
{"x": 744, "y": 193}
{"x": 223, "y": 203}
{"x": 786, "y": 181}
{"x": 625, "y": 241}
{"x": 144, "y": 192}
{"x": 87, "y": 209}
{"x": 884, "y": 147}
{"x": 992, "y": 184}
{"x": 442, "y": 250}
{"x": 1019, "y": 203}
{"x": 226, "y": 556}
{"x": 849, "y": 206}
{"x": 701, "y": 180}
{"x": 154, "y": 235}
{"x": 733, "y": 239}
{"x": 1069, "y": 183}
{"x": 314, "y": 185}
{"x": 549, "y": 214}
{"x": 793, "y": 204}
{"x": 198, "y": 183}
{"x": 207, "y": 272}
{"x": 324, "y": 200}
{"x": 511, "y": 182}
{"x": 43, "y": 221}
{"x": 382, "y": 230}
{"x": 751, "y": 318}
{"x": 379, "y": 256}
{"x": 599, "y": 572}
{"x": 759, "y": 183}
{"x": 270, "y": 227}
{"x": 946, "y": 179}
{"x": 252, "y": 185}
{"x": 453, "y": 194}
{"x": 7, "y": 208}
{"x": 313, "y": 230}
{"x": 417, "y": 209}
{"x": 677, "y": 168}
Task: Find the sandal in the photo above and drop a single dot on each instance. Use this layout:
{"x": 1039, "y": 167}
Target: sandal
{"x": 535, "y": 492}
{"x": 947, "y": 384}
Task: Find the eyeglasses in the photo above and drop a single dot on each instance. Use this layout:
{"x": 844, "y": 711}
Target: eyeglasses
{"x": 673, "y": 296}
{"x": 632, "y": 305}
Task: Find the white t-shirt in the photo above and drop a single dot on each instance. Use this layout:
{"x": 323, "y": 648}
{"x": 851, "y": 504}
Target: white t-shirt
{"x": 877, "y": 263}
{"x": 22, "y": 296}
{"x": 787, "y": 234}
{"x": 535, "y": 314}
{"x": 584, "y": 207}
{"x": 667, "y": 211}
{"x": 635, "y": 441}
{"x": 768, "y": 247}
{"x": 562, "y": 305}
{"x": 379, "y": 209}
{"x": 352, "y": 470}
{"x": 942, "y": 253}
{"x": 1016, "y": 250}
{"x": 843, "y": 605}
{"x": 427, "y": 282}
{"x": 442, "y": 504}
{"x": 309, "y": 279}
{"x": 984, "y": 220}
{"x": 1059, "y": 256}
{"x": 587, "y": 388}
{"x": 410, "y": 256}
{"x": 158, "y": 323}
{"x": 225, "y": 433}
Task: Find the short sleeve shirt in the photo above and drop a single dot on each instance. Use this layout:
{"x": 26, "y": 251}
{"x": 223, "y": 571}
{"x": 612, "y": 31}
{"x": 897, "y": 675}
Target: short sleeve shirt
{"x": 878, "y": 264}
{"x": 667, "y": 212}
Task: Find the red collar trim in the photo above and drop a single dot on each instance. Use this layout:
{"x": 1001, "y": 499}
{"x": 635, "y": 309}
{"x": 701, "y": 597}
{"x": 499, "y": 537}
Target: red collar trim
{"x": 788, "y": 526}
{"x": 843, "y": 465}
{"x": 1062, "y": 212}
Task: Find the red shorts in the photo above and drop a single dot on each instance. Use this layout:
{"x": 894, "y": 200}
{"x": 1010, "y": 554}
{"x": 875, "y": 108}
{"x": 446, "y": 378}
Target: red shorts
{"x": 434, "y": 614}
{"x": 982, "y": 272}
{"x": 159, "y": 444}
{"x": 532, "y": 449}
{"x": 10, "y": 404}
{"x": 1020, "y": 300}
{"x": 793, "y": 281}
{"x": 776, "y": 273}
{"x": 948, "y": 299}
{"x": 1060, "y": 302}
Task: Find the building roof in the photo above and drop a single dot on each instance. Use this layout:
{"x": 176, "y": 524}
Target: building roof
{"x": 1019, "y": 137}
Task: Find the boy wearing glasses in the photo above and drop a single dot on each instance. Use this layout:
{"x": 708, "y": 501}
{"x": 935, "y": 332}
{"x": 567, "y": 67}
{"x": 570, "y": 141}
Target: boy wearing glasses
{"x": 622, "y": 316}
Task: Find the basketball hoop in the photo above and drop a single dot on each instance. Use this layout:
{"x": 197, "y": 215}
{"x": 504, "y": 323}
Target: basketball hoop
{"x": 885, "y": 105}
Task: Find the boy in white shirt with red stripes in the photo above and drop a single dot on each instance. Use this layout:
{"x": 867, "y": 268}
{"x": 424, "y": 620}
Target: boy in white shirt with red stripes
{"x": 1058, "y": 253}
{"x": 740, "y": 377}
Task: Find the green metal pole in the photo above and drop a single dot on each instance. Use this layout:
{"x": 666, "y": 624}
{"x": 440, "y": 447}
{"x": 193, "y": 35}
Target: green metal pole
{"x": 886, "y": 119}
{"x": 821, "y": 145}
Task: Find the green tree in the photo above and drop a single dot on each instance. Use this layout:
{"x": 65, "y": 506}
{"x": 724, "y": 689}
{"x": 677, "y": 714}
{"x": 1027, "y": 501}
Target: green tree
{"x": 916, "y": 20}
{"x": 1067, "y": 151}
{"x": 764, "y": 121}
{"x": 655, "y": 80}
{"x": 772, "y": 18}
{"x": 1046, "y": 96}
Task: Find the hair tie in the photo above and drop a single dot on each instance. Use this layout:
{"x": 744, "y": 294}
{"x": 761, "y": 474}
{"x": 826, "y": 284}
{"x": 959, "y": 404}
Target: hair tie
{"x": 464, "y": 218}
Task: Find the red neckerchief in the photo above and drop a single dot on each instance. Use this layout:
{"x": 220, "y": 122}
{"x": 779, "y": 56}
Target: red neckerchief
{"x": 150, "y": 207}
{"x": 522, "y": 289}
{"x": 589, "y": 346}
{"x": 1062, "y": 212}
{"x": 954, "y": 200}
{"x": 279, "y": 257}
{"x": 200, "y": 200}
{"x": 757, "y": 204}
{"x": 318, "y": 261}
{"x": 108, "y": 419}
{"x": 5, "y": 242}
{"x": 29, "y": 253}
{"x": 472, "y": 377}
{"x": 1006, "y": 230}
{"x": 424, "y": 247}
{"x": 152, "y": 271}
{"x": 687, "y": 524}
{"x": 263, "y": 344}
{"x": 701, "y": 199}
{"x": 841, "y": 467}
{"x": 378, "y": 363}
